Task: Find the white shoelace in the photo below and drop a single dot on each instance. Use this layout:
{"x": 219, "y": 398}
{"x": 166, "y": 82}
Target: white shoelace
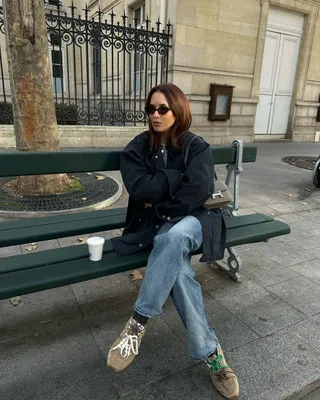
{"x": 128, "y": 343}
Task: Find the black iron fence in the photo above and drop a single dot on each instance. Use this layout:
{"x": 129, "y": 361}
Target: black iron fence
{"x": 101, "y": 70}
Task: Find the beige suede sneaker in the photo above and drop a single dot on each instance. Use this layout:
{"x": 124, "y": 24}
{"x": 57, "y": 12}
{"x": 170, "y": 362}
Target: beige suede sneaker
{"x": 126, "y": 347}
{"x": 223, "y": 378}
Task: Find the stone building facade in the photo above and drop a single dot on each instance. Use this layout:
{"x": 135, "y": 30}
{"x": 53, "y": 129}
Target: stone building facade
{"x": 268, "y": 50}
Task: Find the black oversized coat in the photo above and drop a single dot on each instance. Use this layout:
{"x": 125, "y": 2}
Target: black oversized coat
{"x": 174, "y": 191}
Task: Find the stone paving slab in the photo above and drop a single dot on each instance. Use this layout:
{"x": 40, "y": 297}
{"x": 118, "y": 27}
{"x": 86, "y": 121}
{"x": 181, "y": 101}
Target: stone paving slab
{"x": 309, "y": 269}
{"x": 162, "y": 353}
{"x": 265, "y": 271}
{"x": 300, "y": 292}
{"x": 192, "y": 383}
{"x": 230, "y": 330}
{"x": 261, "y": 310}
{"x": 276, "y": 366}
{"x": 36, "y": 310}
{"x": 62, "y": 362}
{"x": 53, "y": 345}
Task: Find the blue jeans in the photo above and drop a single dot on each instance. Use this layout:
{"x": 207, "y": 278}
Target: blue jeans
{"x": 169, "y": 271}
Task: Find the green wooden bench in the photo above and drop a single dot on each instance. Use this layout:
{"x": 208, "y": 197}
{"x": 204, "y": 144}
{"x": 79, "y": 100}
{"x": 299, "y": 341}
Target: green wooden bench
{"x": 37, "y": 271}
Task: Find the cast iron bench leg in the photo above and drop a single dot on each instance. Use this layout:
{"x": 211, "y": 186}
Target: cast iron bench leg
{"x": 231, "y": 266}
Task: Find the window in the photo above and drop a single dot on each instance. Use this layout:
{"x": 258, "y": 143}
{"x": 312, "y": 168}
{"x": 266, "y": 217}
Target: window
{"x": 96, "y": 69}
{"x": 56, "y": 63}
{"x": 53, "y": 2}
{"x": 139, "y": 14}
{"x": 138, "y": 59}
{"x": 96, "y": 61}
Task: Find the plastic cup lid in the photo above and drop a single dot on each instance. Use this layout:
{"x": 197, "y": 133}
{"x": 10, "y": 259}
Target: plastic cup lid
{"x": 95, "y": 241}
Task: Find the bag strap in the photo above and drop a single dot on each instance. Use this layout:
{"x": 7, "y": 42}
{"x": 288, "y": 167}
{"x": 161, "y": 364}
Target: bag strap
{"x": 186, "y": 154}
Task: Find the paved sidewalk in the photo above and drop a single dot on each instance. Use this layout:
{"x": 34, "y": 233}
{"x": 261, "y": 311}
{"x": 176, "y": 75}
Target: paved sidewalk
{"x": 54, "y": 344}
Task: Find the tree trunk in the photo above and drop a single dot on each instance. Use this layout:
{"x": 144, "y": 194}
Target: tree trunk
{"x": 35, "y": 124}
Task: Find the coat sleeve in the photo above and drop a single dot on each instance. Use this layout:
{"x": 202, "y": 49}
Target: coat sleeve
{"x": 196, "y": 184}
{"x": 141, "y": 185}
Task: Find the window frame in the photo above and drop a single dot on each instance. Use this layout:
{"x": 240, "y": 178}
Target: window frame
{"x": 60, "y": 48}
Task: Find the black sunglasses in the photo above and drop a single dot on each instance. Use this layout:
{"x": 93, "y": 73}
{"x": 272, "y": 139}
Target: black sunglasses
{"x": 162, "y": 110}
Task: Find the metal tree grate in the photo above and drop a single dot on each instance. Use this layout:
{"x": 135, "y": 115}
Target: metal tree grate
{"x": 96, "y": 191}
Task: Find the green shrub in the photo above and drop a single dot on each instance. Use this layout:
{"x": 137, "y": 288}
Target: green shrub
{"x": 66, "y": 114}
{"x": 6, "y": 117}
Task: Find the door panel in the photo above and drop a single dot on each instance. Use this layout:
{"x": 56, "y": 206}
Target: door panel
{"x": 263, "y": 114}
{"x": 277, "y": 83}
{"x": 269, "y": 63}
{"x": 288, "y": 65}
{"x": 285, "y": 79}
{"x": 268, "y": 73}
{"x": 281, "y": 113}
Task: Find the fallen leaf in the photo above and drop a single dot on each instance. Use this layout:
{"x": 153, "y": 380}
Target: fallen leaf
{"x": 307, "y": 189}
{"x": 33, "y": 246}
{"x": 82, "y": 240}
{"x": 136, "y": 276}
{"x": 45, "y": 322}
{"x": 15, "y": 300}
{"x": 36, "y": 334}
{"x": 89, "y": 173}
{"x": 84, "y": 198}
{"x": 290, "y": 195}
{"x": 100, "y": 177}
{"x": 304, "y": 204}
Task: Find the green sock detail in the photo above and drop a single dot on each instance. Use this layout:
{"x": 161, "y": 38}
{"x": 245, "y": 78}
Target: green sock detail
{"x": 215, "y": 365}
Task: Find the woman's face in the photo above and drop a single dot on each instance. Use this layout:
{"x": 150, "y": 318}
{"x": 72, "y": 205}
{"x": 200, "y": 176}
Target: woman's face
{"x": 161, "y": 123}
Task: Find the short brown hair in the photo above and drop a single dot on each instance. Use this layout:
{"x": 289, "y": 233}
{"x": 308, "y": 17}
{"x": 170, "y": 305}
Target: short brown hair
{"x": 179, "y": 105}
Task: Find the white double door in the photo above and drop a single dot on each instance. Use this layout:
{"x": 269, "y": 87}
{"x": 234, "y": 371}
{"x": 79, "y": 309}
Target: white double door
{"x": 277, "y": 82}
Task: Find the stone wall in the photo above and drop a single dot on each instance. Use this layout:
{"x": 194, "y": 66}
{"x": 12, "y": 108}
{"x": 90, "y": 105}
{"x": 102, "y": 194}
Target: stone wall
{"x": 216, "y": 41}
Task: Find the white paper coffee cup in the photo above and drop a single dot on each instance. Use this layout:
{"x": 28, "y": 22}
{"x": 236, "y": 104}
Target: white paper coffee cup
{"x": 95, "y": 245}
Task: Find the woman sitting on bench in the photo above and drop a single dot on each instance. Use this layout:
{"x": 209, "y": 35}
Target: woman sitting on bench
{"x": 165, "y": 210}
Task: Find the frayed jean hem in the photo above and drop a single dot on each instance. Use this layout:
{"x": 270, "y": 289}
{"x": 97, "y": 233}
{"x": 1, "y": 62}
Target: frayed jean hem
{"x": 147, "y": 315}
{"x": 204, "y": 358}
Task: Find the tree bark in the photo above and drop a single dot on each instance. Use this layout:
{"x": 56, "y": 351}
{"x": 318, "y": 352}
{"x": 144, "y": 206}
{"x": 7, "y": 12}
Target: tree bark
{"x": 35, "y": 123}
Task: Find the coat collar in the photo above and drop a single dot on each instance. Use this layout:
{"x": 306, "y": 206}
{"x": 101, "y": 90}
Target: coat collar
{"x": 170, "y": 148}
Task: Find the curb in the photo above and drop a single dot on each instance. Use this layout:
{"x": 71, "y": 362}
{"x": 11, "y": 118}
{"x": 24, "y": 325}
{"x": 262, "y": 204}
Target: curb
{"x": 36, "y": 214}
{"x": 303, "y": 392}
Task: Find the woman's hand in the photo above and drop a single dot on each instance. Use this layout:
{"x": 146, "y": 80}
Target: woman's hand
{"x": 147, "y": 205}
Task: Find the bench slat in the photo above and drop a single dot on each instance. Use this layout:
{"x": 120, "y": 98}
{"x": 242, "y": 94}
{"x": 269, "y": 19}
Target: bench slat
{"x": 256, "y": 233}
{"x": 48, "y": 257}
{"x": 245, "y": 220}
{"x": 56, "y": 219}
{"x": 52, "y": 274}
{"x": 59, "y": 230}
{"x": 35, "y": 163}
{"x": 32, "y": 230}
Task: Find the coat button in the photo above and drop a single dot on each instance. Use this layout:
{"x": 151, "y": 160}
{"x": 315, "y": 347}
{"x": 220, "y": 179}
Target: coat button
{"x": 163, "y": 216}
{"x": 209, "y": 212}
{"x": 157, "y": 226}
{"x": 139, "y": 219}
{"x": 156, "y": 156}
{"x": 140, "y": 245}
{"x": 168, "y": 218}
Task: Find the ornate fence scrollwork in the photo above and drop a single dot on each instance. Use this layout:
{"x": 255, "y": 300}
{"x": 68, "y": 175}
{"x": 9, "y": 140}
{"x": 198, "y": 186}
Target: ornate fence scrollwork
{"x": 102, "y": 70}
